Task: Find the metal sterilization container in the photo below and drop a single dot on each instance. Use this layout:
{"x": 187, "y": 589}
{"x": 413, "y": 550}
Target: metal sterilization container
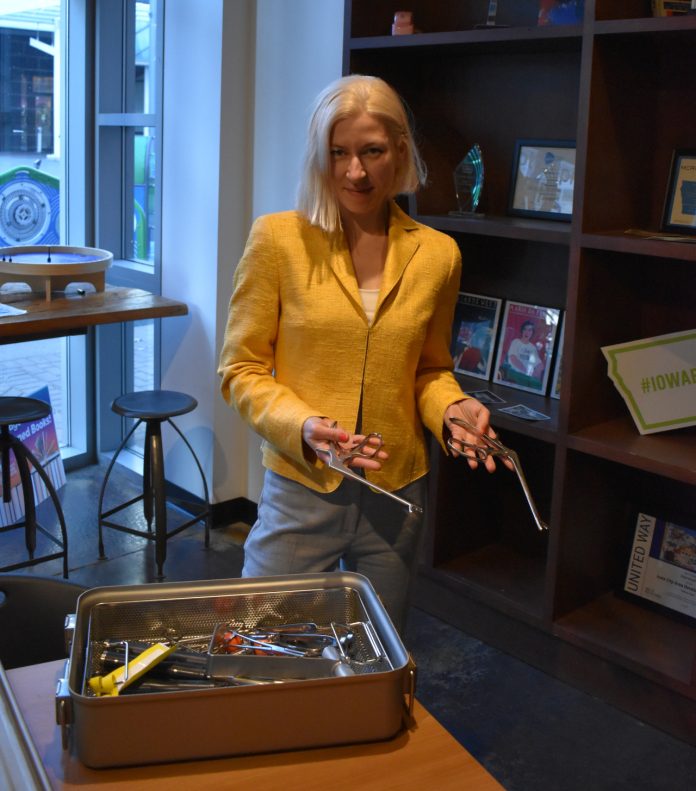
{"x": 359, "y": 688}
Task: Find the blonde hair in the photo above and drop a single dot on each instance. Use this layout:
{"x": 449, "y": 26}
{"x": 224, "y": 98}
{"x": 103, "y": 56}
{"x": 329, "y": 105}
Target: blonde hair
{"x": 346, "y": 97}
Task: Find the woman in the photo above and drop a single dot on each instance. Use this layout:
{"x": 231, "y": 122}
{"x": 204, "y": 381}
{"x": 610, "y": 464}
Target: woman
{"x": 340, "y": 324}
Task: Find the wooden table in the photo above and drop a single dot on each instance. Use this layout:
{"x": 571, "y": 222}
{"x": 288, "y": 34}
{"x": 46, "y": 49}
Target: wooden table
{"x": 72, "y": 312}
{"x": 425, "y": 756}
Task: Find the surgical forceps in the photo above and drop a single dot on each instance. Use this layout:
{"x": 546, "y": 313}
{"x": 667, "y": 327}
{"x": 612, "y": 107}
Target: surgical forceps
{"x": 494, "y": 447}
{"x": 338, "y": 459}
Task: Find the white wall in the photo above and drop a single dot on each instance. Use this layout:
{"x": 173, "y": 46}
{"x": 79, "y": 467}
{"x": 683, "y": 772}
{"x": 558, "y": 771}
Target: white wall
{"x": 239, "y": 78}
{"x": 299, "y": 49}
{"x": 206, "y": 197}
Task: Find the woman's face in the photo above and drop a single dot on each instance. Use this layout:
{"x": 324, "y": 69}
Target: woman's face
{"x": 363, "y": 166}
{"x": 527, "y": 332}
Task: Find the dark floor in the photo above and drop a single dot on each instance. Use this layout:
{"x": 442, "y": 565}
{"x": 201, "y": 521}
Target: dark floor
{"x": 532, "y": 732}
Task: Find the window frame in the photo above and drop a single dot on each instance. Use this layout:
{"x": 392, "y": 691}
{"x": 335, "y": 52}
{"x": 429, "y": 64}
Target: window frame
{"x": 114, "y": 126}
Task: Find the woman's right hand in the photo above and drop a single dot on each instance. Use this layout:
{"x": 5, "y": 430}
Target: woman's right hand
{"x": 317, "y": 432}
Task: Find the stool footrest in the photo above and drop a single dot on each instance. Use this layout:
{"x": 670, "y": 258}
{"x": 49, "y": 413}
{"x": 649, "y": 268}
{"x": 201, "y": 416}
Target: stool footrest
{"x": 151, "y": 534}
{"x": 42, "y": 530}
{"x": 32, "y": 562}
{"x": 118, "y": 508}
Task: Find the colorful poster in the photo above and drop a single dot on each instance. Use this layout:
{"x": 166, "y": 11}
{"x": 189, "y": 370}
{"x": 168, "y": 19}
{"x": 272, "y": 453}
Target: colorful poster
{"x": 40, "y": 438}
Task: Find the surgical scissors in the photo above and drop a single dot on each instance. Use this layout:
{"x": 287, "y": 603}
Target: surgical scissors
{"x": 494, "y": 447}
{"x": 338, "y": 459}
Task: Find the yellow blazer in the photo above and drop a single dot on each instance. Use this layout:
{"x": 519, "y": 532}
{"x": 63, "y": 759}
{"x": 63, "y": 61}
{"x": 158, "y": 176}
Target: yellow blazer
{"x": 298, "y": 344}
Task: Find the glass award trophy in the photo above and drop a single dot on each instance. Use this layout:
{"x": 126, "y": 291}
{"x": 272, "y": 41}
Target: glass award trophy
{"x": 490, "y": 19}
{"x": 492, "y": 11}
{"x": 468, "y": 183}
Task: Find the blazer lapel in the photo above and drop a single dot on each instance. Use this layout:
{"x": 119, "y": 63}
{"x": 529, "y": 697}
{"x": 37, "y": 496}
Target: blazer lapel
{"x": 342, "y": 266}
{"x": 403, "y": 243}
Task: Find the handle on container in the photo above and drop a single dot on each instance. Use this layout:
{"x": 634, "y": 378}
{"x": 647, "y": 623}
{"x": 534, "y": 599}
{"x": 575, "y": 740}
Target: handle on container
{"x": 69, "y": 630}
{"x": 64, "y": 711}
{"x": 410, "y": 690}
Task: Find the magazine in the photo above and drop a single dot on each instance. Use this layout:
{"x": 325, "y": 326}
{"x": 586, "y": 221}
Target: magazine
{"x": 476, "y": 319}
{"x": 662, "y": 564}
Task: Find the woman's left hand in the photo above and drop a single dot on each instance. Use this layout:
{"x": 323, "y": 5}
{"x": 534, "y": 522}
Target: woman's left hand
{"x": 476, "y": 414}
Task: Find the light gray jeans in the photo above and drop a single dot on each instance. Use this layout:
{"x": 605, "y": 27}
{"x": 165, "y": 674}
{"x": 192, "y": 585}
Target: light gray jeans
{"x": 300, "y": 531}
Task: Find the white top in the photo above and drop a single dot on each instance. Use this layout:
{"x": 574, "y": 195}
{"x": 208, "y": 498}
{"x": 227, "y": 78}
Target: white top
{"x": 369, "y": 300}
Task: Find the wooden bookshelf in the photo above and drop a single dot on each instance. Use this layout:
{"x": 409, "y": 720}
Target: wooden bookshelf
{"x": 622, "y": 84}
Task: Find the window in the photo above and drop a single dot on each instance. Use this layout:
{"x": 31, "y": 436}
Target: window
{"x": 128, "y": 141}
{"x": 71, "y": 173}
{"x": 38, "y": 129}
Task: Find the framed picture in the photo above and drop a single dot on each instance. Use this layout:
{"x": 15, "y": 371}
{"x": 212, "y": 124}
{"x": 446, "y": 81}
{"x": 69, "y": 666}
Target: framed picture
{"x": 670, "y": 7}
{"x": 525, "y": 348}
{"x": 476, "y": 319}
{"x": 661, "y": 566}
{"x": 560, "y": 12}
{"x": 558, "y": 365}
{"x": 680, "y": 202}
{"x": 543, "y": 178}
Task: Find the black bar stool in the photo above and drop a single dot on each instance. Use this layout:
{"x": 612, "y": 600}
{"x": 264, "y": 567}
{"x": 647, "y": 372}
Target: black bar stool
{"x": 153, "y": 407}
{"x": 22, "y": 410}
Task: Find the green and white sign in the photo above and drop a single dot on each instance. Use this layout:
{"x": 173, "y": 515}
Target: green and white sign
{"x": 657, "y": 379}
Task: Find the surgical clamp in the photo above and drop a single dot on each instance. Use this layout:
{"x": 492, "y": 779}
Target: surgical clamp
{"x": 338, "y": 459}
{"x": 495, "y": 448}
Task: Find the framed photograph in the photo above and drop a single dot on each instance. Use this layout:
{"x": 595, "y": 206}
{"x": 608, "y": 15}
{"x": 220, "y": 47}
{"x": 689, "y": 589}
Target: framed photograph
{"x": 525, "y": 348}
{"x": 670, "y": 7}
{"x": 558, "y": 365}
{"x": 476, "y": 319}
{"x": 661, "y": 565}
{"x": 543, "y": 178}
{"x": 560, "y": 12}
{"x": 680, "y": 202}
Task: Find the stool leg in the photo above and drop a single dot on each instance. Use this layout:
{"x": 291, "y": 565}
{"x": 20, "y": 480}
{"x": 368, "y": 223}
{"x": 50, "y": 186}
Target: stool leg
{"x": 154, "y": 445}
{"x": 28, "y": 495}
{"x": 205, "y": 483}
{"x": 100, "y": 507}
{"x": 5, "y": 461}
{"x": 27, "y": 454}
{"x": 147, "y": 472}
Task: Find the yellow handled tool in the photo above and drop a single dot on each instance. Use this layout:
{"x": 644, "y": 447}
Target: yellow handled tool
{"x": 119, "y": 679}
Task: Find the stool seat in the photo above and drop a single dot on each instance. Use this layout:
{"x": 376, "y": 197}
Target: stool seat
{"x": 153, "y": 408}
{"x": 21, "y": 410}
{"x": 154, "y": 404}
